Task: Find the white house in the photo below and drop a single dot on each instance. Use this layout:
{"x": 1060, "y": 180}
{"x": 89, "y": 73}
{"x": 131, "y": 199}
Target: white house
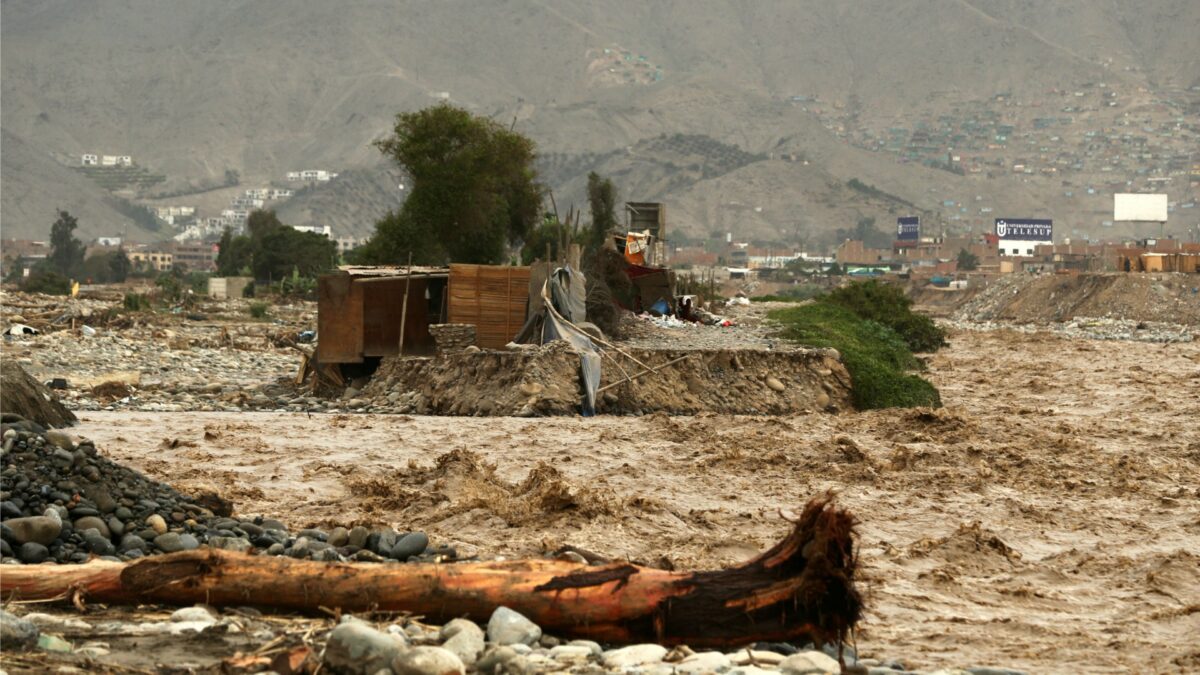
{"x": 108, "y": 241}
{"x": 293, "y": 175}
{"x": 89, "y": 160}
{"x": 108, "y": 160}
{"x": 257, "y": 193}
{"x": 315, "y": 229}
{"x": 280, "y": 193}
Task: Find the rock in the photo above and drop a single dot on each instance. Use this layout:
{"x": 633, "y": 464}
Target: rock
{"x": 357, "y": 649}
{"x": 358, "y": 536}
{"x": 194, "y": 615}
{"x": 338, "y": 536}
{"x": 36, "y": 529}
{"x": 60, "y": 439}
{"x": 494, "y": 658}
{"x": 597, "y": 650}
{"x": 571, "y": 653}
{"x": 810, "y": 663}
{"x": 413, "y": 543}
{"x": 170, "y": 542}
{"x": 230, "y": 544}
{"x": 157, "y": 523}
{"x": 986, "y": 670}
{"x": 92, "y": 523}
{"x": 756, "y": 657}
{"x": 15, "y": 632}
{"x": 633, "y": 655}
{"x": 703, "y": 662}
{"x": 98, "y": 543}
{"x": 755, "y": 670}
{"x": 32, "y": 553}
{"x": 464, "y": 639}
{"x": 427, "y": 661}
{"x": 774, "y": 383}
{"x": 531, "y": 388}
{"x": 507, "y": 627}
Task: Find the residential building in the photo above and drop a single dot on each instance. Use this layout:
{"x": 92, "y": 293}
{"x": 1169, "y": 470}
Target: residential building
{"x": 89, "y": 160}
{"x": 159, "y": 261}
{"x": 315, "y": 229}
{"x": 196, "y": 257}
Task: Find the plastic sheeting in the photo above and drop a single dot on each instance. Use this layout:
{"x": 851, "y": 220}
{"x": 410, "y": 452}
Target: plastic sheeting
{"x": 564, "y": 298}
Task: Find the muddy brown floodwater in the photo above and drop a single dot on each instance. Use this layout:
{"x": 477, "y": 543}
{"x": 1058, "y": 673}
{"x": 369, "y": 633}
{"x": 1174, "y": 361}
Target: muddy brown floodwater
{"x": 1047, "y": 518}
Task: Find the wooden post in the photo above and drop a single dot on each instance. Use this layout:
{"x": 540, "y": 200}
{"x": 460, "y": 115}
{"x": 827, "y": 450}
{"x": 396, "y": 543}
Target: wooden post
{"x": 404, "y": 306}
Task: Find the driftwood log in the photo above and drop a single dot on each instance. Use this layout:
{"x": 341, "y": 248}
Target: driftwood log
{"x": 801, "y": 589}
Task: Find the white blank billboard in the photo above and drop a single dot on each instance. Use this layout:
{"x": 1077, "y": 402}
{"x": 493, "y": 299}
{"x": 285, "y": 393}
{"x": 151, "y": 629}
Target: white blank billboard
{"x": 1140, "y": 207}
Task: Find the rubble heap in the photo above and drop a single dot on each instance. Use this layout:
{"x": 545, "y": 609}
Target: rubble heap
{"x": 62, "y": 501}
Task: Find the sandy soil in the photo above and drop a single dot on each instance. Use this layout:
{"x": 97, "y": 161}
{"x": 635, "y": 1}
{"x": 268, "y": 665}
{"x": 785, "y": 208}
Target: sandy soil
{"x": 1048, "y": 518}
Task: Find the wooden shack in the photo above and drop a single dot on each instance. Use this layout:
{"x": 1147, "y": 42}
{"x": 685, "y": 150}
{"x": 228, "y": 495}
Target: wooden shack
{"x": 359, "y": 311}
{"x": 492, "y": 298}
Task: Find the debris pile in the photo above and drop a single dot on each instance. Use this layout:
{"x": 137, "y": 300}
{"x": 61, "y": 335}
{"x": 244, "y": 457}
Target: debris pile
{"x": 542, "y": 380}
{"x": 63, "y": 501}
{"x": 23, "y": 396}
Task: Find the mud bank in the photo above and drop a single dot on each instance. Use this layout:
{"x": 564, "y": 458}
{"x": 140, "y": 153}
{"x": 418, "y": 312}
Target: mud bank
{"x": 540, "y": 381}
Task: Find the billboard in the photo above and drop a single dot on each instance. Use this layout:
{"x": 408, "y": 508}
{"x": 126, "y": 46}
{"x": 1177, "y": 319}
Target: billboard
{"x": 908, "y": 228}
{"x": 1140, "y": 207}
{"x": 1025, "y": 229}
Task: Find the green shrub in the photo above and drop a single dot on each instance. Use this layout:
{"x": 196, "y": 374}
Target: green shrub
{"x": 48, "y": 282}
{"x": 796, "y": 293}
{"x": 888, "y": 305}
{"x": 877, "y": 357}
{"x": 136, "y": 302}
{"x": 258, "y": 310}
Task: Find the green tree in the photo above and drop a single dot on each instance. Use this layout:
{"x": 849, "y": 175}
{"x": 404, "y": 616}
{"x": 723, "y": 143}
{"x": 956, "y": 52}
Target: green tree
{"x": 602, "y": 199}
{"x": 233, "y": 254}
{"x": 66, "y": 252}
{"x": 474, "y": 189}
{"x": 119, "y": 266}
{"x": 967, "y": 261}
{"x": 276, "y": 249}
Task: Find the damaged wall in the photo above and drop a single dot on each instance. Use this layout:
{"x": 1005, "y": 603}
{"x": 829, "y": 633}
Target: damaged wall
{"x": 544, "y": 380}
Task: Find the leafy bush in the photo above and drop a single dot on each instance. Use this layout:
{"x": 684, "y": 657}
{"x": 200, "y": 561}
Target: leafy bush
{"x": 876, "y": 356}
{"x": 888, "y": 305}
{"x": 796, "y": 293}
{"x": 46, "y": 281}
{"x": 258, "y": 310}
{"x": 136, "y": 302}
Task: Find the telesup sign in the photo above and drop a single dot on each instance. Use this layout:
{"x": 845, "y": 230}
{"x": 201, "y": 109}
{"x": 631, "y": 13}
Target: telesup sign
{"x": 1025, "y": 229}
{"x": 908, "y": 228}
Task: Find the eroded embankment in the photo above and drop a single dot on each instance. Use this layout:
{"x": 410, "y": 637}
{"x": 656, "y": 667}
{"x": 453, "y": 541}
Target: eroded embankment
{"x": 545, "y": 381}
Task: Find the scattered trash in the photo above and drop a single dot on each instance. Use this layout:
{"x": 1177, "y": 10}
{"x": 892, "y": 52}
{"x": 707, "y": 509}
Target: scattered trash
{"x": 306, "y": 336}
{"x": 88, "y": 331}
{"x": 21, "y": 329}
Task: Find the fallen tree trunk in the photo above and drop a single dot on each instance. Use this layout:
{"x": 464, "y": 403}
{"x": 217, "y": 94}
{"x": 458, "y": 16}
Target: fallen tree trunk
{"x": 801, "y": 589}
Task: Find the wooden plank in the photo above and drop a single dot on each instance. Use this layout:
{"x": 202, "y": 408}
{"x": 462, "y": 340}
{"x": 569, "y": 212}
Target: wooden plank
{"x": 339, "y": 319}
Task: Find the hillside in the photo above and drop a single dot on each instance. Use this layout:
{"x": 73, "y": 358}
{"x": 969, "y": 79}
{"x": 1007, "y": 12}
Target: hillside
{"x": 199, "y": 89}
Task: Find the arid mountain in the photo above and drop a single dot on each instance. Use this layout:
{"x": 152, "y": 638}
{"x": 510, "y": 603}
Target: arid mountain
{"x": 194, "y": 90}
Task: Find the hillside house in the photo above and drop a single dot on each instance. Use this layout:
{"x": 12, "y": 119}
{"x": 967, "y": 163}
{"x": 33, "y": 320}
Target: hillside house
{"x": 89, "y": 160}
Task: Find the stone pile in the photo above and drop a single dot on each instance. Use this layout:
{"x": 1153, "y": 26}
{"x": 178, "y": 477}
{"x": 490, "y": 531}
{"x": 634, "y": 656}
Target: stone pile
{"x": 61, "y": 501}
{"x": 452, "y": 337}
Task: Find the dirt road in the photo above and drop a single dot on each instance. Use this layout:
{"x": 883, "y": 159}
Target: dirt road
{"x": 1048, "y": 518}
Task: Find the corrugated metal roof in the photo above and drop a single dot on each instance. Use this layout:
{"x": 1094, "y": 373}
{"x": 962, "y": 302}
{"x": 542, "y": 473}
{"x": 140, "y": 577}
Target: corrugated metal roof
{"x": 392, "y": 270}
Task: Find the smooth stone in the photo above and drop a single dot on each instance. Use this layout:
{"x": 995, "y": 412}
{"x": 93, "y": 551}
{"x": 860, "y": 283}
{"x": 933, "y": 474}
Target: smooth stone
{"x": 774, "y": 383}
{"x": 32, "y": 553}
{"x": 115, "y": 527}
{"x": 571, "y": 653}
{"x": 751, "y": 670}
{"x": 131, "y": 542}
{"x": 427, "y": 661}
{"x": 193, "y": 614}
{"x": 810, "y": 663}
{"x": 98, "y": 543}
{"x": 413, "y": 543}
{"x": 6, "y": 550}
{"x": 357, "y": 649}
{"x": 358, "y": 536}
{"x": 597, "y": 650}
{"x": 634, "y": 655}
{"x": 34, "y": 529}
{"x": 157, "y": 523}
{"x": 60, "y": 439}
{"x": 92, "y": 523}
{"x": 507, "y": 627}
{"x": 338, "y": 536}
{"x": 169, "y": 542}
{"x": 15, "y": 632}
{"x": 987, "y": 670}
{"x": 230, "y": 544}
{"x": 384, "y": 541}
{"x": 464, "y": 639}
{"x": 756, "y": 657}
{"x": 495, "y": 657}
{"x": 703, "y": 662}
